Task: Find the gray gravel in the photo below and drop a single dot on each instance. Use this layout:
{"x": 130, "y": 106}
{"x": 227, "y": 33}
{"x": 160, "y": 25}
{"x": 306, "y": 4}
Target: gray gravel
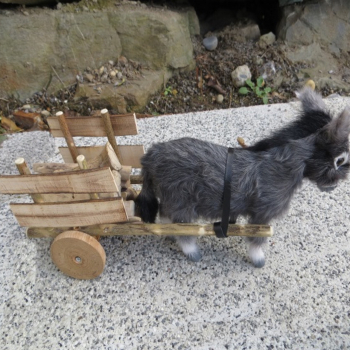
{"x": 151, "y": 297}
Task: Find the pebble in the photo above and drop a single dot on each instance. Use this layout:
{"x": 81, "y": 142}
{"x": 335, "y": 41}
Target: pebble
{"x": 123, "y": 60}
{"x": 113, "y": 74}
{"x": 240, "y": 75}
{"x": 45, "y": 113}
{"x": 104, "y": 78}
{"x": 26, "y": 107}
{"x": 111, "y": 63}
{"x": 119, "y": 75}
{"x": 219, "y": 98}
{"x": 267, "y": 40}
{"x": 310, "y": 83}
{"x": 89, "y": 77}
{"x": 210, "y": 43}
{"x": 101, "y": 70}
{"x": 268, "y": 70}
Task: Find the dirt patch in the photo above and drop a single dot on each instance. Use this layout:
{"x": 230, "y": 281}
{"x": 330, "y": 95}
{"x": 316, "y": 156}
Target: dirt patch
{"x": 185, "y": 92}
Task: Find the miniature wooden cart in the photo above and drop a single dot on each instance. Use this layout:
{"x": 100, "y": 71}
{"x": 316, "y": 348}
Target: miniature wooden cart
{"x": 91, "y": 195}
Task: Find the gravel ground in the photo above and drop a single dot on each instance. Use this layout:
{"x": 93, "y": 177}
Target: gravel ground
{"x": 151, "y": 297}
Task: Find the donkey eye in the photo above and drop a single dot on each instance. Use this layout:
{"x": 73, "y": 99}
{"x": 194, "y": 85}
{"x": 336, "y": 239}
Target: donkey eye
{"x": 340, "y": 161}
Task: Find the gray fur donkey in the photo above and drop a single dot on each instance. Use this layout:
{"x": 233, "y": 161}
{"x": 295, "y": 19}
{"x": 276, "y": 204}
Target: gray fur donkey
{"x": 184, "y": 179}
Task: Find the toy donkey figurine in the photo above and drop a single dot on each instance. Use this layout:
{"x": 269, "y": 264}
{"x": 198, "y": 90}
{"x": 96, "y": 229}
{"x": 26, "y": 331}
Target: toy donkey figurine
{"x": 184, "y": 178}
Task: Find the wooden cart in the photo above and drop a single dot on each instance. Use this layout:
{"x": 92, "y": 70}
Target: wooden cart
{"x": 91, "y": 195}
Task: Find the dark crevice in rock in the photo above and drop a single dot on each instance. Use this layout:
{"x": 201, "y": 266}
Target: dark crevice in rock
{"x": 215, "y": 15}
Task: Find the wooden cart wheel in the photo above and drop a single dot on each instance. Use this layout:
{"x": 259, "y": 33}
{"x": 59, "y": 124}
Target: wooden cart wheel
{"x": 78, "y": 255}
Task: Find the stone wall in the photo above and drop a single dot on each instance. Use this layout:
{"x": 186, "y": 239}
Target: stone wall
{"x": 325, "y": 22}
{"x": 47, "y": 48}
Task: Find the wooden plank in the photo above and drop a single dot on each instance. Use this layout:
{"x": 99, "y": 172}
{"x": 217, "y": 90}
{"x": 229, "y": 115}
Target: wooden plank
{"x": 131, "y": 154}
{"x": 93, "y": 126}
{"x": 92, "y": 212}
{"x": 142, "y": 229}
{"x": 83, "y": 181}
{"x": 74, "y": 197}
{"x": 129, "y": 208}
{"x": 64, "y": 197}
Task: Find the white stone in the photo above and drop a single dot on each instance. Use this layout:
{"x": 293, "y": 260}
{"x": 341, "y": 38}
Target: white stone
{"x": 240, "y": 75}
{"x": 267, "y": 40}
{"x": 219, "y": 98}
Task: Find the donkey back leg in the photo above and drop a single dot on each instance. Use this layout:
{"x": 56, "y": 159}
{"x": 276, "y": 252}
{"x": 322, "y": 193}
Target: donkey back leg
{"x": 255, "y": 251}
{"x": 255, "y": 244}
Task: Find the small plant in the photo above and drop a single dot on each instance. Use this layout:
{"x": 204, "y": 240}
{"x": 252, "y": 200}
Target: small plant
{"x": 168, "y": 91}
{"x": 257, "y": 89}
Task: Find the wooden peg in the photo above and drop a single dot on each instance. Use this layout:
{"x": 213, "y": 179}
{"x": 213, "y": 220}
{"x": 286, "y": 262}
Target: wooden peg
{"x": 83, "y": 166}
{"x": 67, "y": 135}
{"x": 24, "y": 170}
{"x": 110, "y": 133}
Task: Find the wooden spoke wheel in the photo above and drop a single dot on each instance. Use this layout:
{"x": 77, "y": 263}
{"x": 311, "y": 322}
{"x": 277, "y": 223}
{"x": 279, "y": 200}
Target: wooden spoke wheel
{"x": 78, "y": 255}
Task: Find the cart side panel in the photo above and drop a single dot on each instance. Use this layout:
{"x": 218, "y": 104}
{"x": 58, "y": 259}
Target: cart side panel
{"x": 94, "y": 127}
{"x": 73, "y": 214}
{"x": 84, "y": 181}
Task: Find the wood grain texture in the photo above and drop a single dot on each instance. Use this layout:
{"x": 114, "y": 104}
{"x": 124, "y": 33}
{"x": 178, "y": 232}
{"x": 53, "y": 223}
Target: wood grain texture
{"x": 67, "y": 135}
{"x": 94, "y": 127}
{"x": 83, "y": 181}
{"x": 78, "y": 255}
{"x": 72, "y": 214}
{"x": 131, "y": 154}
{"x": 24, "y": 170}
{"x": 110, "y": 133}
{"x": 142, "y": 229}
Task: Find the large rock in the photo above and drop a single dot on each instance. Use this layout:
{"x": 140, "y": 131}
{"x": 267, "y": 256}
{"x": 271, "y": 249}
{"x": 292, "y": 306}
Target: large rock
{"x": 326, "y": 22}
{"x": 157, "y": 38}
{"x": 322, "y": 67}
{"x": 48, "y": 48}
{"x": 121, "y": 98}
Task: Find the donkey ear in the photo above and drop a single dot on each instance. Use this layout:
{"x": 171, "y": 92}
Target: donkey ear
{"x": 340, "y": 127}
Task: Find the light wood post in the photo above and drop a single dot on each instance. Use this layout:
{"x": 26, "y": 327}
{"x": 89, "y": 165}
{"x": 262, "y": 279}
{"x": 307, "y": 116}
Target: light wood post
{"x": 110, "y": 133}
{"x": 83, "y": 166}
{"x": 67, "y": 135}
{"x": 24, "y": 170}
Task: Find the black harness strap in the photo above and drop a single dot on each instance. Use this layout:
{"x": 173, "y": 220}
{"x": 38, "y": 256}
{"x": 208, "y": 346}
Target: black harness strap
{"x": 220, "y": 228}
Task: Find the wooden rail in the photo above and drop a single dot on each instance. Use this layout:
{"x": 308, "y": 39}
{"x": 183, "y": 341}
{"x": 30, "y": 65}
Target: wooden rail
{"x": 141, "y": 229}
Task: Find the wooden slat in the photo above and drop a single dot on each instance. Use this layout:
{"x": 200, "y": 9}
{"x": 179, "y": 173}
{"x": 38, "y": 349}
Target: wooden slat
{"x": 74, "y": 197}
{"x": 131, "y": 154}
{"x": 83, "y": 181}
{"x": 156, "y": 230}
{"x": 92, "y": 212}
{"x": 93, "y": 126}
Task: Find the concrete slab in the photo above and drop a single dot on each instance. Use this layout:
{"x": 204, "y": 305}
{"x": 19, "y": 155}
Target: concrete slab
{"x": 151, "y": 297}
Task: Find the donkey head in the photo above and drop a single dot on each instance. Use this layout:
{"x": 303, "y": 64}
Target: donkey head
{"x": 330, "y": 160}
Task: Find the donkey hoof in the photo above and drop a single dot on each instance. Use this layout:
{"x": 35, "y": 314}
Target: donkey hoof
{"x": 259, "y": 263}
{"x": 257, "y": 256}
{"x": 195, "y": 256}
